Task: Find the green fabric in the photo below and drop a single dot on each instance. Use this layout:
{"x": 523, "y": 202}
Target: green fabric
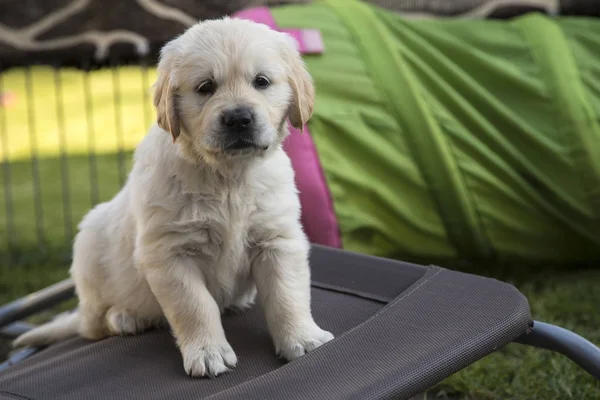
{"x": 458, "y": 139}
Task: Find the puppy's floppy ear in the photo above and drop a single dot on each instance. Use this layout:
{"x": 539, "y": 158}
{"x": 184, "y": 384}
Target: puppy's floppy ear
{"x": 303, "y": 96}
{"x": 164, "y": 94}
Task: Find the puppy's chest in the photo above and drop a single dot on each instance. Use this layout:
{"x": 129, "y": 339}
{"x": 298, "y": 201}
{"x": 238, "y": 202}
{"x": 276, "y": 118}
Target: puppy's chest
{"x": 216, "y": 236}
{"x": 218, "y": 227}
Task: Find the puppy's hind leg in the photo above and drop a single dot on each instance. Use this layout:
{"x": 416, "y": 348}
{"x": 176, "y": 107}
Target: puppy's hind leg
{"x": 123, "y": 322}
{"x": 244, "y": 302}
{"x": 86, "y": 271}
{"x": 92, "y": 323}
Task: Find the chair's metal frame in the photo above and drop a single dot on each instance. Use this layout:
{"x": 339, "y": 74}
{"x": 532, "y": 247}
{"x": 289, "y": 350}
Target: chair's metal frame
{"x": 543, "y": 335}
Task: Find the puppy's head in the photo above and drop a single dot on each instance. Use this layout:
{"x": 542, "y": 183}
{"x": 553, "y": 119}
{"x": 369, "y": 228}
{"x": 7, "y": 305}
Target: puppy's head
{"x": 226, "y": 87}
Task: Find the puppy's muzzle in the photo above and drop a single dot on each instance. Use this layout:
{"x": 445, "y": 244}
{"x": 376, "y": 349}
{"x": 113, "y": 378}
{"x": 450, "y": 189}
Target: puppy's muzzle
{"x": 239, "y": 128}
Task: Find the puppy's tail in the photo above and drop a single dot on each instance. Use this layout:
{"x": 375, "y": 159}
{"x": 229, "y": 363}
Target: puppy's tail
{"x": 62, "y": 327}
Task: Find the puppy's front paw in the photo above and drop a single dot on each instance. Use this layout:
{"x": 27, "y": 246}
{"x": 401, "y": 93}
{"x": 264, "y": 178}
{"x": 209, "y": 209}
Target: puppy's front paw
{"x": 208, "y": 360}
{"x": 302, "y": 341}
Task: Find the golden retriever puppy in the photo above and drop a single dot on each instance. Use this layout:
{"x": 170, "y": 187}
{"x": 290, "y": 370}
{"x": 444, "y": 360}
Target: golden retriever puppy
{"x": 209, "y": 217}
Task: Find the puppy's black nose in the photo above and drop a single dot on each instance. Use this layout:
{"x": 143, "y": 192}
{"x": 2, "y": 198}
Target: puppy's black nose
{"x": 237, "y": 118}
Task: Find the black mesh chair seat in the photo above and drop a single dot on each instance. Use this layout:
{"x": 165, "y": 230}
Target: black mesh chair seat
{"x": 400, "y": 329}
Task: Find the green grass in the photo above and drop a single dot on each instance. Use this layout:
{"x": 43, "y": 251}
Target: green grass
{"x": 569, "y": 298}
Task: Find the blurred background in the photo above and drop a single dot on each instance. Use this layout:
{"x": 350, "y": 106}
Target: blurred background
{"x": 75, "y": 99}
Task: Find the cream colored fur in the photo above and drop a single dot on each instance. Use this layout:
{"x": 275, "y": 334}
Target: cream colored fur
{"x": 197, "y": 229}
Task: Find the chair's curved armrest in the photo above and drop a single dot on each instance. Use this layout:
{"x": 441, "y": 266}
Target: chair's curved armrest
{"x": 551, "y": 337}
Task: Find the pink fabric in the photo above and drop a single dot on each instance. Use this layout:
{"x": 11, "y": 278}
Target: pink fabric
{"x": 318, "y": 215}
{"x": 309, "y": 40}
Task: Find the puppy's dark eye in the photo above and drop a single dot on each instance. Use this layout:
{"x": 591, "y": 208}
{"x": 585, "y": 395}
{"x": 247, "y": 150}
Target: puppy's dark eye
{"x": 261, "y": 82}
{"x": 207, "y": 87}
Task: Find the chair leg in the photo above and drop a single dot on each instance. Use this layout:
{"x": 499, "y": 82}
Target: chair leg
{"x": 11, "y": 313}
{"x": 551, "y": 337}
{"x": 36, "y": 302}
{"x": 15, "y": 330}
{"x": 18, "y": 357}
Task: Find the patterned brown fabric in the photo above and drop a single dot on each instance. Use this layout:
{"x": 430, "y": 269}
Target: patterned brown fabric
{"x": 69, "y": 31}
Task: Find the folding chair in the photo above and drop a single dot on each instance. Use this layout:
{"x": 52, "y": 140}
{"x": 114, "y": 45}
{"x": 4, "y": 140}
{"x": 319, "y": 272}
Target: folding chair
{"x": 400, "y": 329}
